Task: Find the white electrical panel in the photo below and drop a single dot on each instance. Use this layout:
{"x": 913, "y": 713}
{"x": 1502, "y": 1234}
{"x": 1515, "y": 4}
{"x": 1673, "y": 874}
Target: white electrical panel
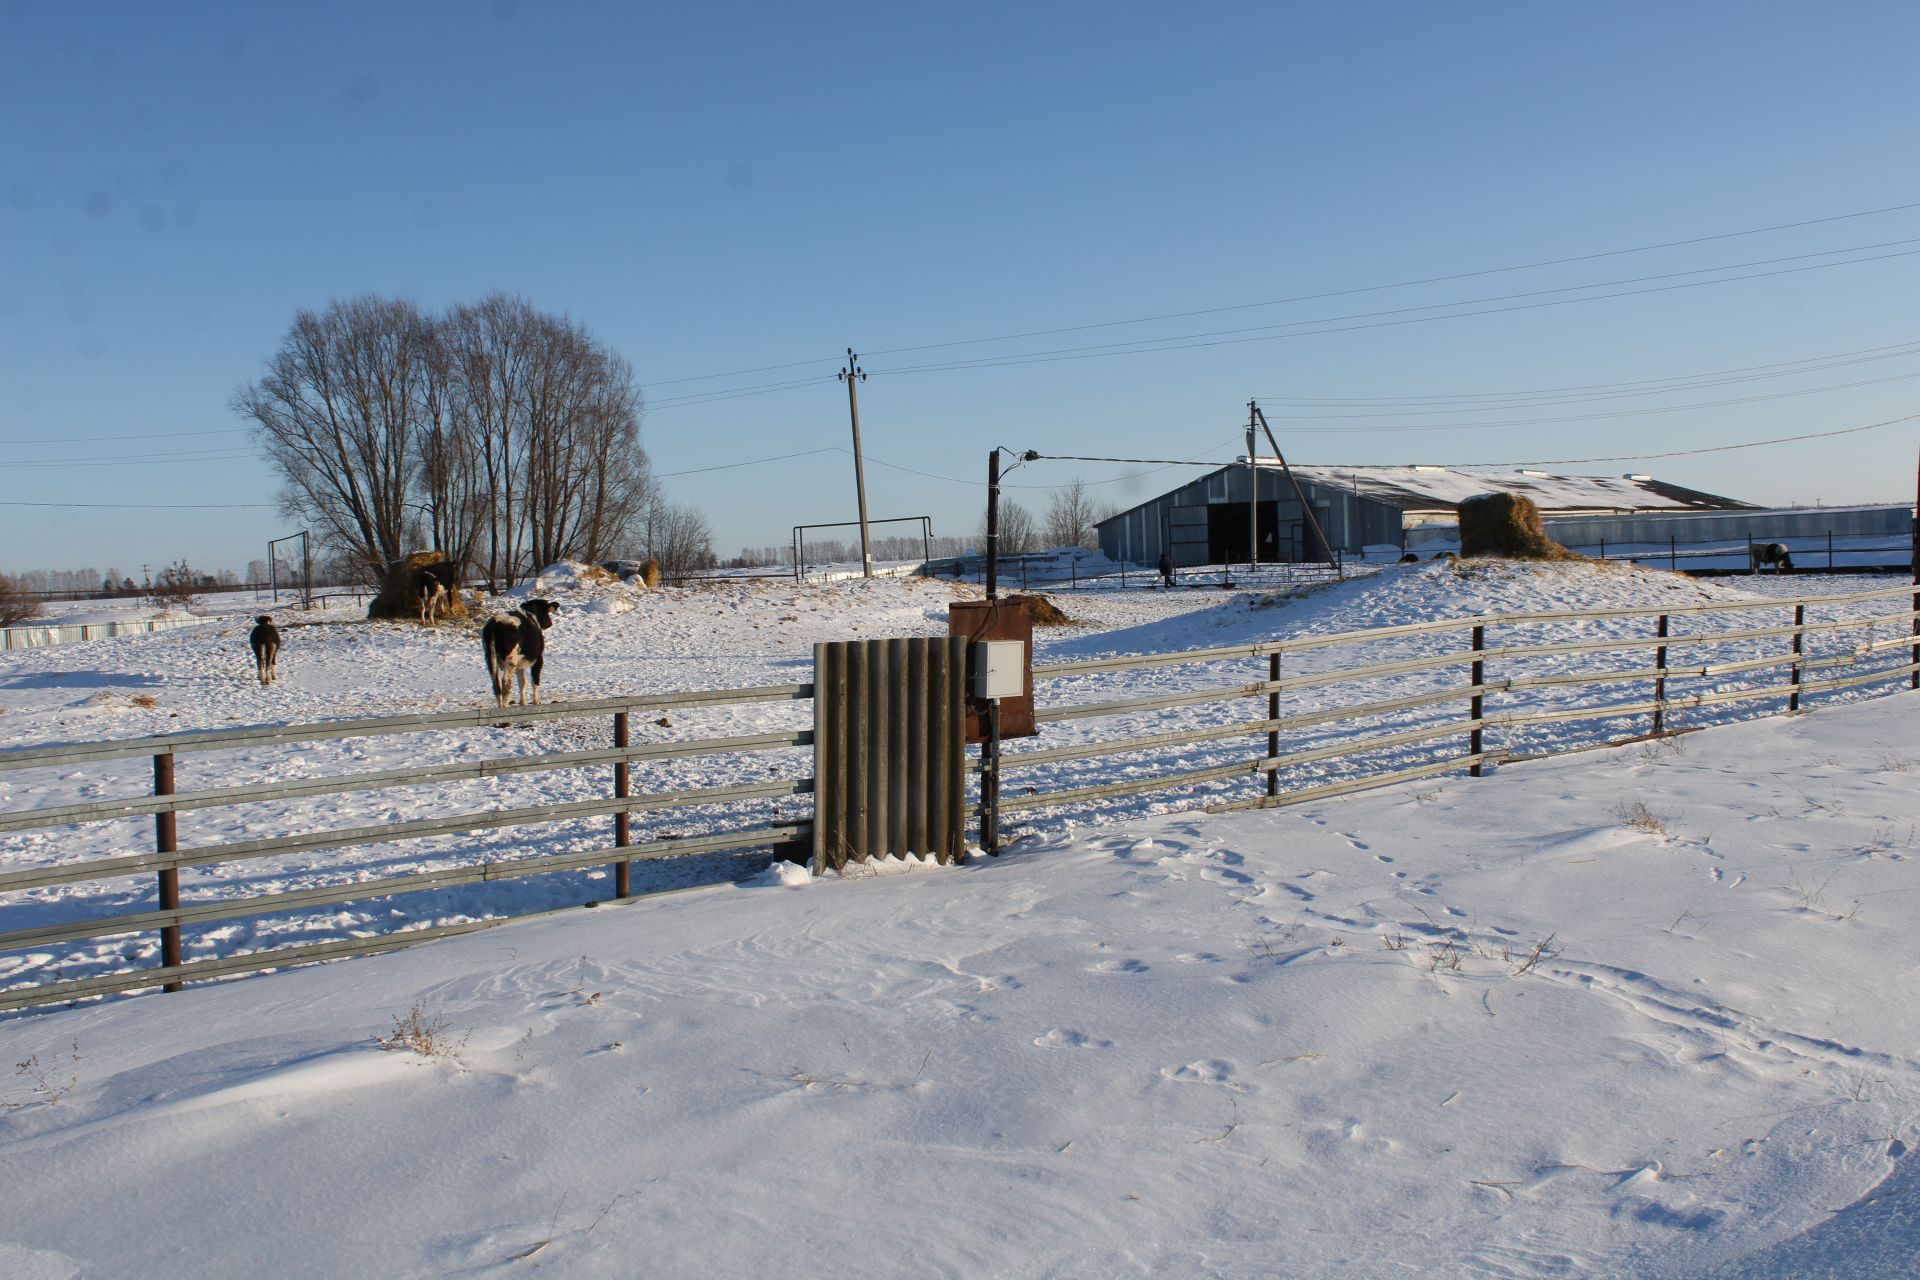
{"x": 999, "y": 668}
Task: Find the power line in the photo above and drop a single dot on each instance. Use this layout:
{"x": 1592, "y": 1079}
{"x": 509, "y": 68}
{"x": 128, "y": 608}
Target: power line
{"x": 1593, "y": 391}
{"x": 751, "y": 462}
{"x": 1314, "y": 297}
{"x": 1601, "y": 417}
{"x": 1226, "y": 337}
{"x": 158, "y": 435}
{"x": 148, "y": 506}
{"x": 1686, "y": 453}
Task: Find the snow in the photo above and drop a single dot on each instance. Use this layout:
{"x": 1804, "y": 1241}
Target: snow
{"x": 1425, "y": 487}
{"x": 1642, "y": 1010}
{"x": 1227, "y": 1046}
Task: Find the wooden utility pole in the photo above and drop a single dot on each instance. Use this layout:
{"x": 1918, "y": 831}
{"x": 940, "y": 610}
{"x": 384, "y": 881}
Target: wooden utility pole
{"x": 853, "y": 375}
{"x": 1253, "y": 498}
{"x": 1306, "y": 510}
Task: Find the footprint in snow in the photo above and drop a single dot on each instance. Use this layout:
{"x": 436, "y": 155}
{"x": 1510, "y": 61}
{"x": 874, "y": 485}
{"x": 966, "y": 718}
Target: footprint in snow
{"x": 1205, "y": 1071}
{"x": 1062, "y": 1038}
{"x": 1119, "y": 966}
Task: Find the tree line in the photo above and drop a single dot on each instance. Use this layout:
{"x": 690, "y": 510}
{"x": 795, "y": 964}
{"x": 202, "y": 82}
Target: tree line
{"x": 502, "y": 435}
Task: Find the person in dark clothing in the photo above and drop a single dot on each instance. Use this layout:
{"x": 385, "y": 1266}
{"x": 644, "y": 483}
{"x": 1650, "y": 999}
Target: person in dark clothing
{"x": 1166, "y": 567}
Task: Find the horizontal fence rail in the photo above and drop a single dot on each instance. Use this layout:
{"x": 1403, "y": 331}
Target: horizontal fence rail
{"x": 224, "y": 901}
{"x": 1514, "y": 687}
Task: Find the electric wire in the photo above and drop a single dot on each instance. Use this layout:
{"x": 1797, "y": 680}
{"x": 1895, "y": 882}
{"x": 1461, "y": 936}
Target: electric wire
{"x": 1312, "y": 297}
{"x": 1227, "y": 337}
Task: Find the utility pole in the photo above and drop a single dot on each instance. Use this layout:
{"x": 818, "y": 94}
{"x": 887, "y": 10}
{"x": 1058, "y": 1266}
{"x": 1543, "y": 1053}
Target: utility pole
{"x": 852, "y": 375}
{"x": 1253, "y": 499}
{"x": 1306, "y": 509}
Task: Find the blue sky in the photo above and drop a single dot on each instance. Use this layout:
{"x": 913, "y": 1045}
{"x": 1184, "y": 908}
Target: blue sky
{"x": 721, "y": 188}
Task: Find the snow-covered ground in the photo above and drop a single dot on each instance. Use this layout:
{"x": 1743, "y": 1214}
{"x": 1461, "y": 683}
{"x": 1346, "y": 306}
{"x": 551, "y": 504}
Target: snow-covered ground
{"x": 1645, "y": 1011}
{"x": 614, "y": 639}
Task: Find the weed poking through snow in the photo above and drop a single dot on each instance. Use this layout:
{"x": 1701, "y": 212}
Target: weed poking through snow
{"x": 416, "y": 1031}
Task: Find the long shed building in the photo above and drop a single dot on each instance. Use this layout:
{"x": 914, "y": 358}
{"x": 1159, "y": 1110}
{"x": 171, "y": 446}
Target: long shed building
{"x": 1206, "y": 521}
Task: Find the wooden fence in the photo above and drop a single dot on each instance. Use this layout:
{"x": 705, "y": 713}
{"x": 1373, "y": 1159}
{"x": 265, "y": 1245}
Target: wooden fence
{"x": 1505, "y": 691}
{"x": 167, "y": 858}
{"x": 1488, "y": 697}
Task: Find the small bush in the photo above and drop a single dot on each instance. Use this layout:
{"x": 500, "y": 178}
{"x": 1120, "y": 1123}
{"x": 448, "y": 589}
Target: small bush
{"x": 177, "y": 587}
{"x": 416, "y": 1031}
{"x": 1635, "y": 814}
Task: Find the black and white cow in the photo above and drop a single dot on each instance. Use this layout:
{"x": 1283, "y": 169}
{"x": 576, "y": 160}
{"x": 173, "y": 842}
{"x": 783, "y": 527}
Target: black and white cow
{"x": 1772, "y": 555}
{"x": 516, "y": 647}
{"x": 265, "y": 642}
{"x": 432, "y": 584}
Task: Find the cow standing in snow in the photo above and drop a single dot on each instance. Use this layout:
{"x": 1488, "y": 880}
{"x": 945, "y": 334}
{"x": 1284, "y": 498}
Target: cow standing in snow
{"x": 1773, "y": 555}
{"x": 264, "y": 639}
{"x": 516, "y": 646}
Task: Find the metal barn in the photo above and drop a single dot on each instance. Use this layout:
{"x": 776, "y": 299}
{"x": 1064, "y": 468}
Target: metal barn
{"x": 1205, "y": 521}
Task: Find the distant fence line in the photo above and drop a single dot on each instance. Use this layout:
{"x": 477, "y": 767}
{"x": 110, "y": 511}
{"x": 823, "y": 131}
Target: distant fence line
{"x": 1532, "y": 663}
{"x": 41, "y": 637}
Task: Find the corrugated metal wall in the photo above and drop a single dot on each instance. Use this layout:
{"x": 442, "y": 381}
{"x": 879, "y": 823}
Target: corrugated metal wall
{"x": 1350, "y": 522}
{"x": 889, "y": 761}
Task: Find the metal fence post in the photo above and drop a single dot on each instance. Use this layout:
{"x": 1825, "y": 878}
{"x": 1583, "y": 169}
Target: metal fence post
{"x": 622, "y": 821}
{"x": 1799, "y": 634}
{"x": 1829, "y": 551}
{"x": 1660, "y": 682}
{"x": 1479, "y": 672}
{"x": 166, "y": 839}
{"x": 1673, "y": 553}
{"x": 1273, "y": 713}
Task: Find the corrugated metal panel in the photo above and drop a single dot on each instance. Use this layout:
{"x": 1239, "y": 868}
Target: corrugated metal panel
{"x": 889, "y": 760}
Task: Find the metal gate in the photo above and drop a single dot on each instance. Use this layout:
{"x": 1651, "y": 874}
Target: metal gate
{"x": 889, "y": 762}
{"x": 1187, "y": 536}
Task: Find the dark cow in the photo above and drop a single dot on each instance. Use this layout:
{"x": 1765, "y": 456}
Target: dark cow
{"x": 1772, "y": 555}
{"x": 516, "y": 648}
{"x": 265, "y": 641}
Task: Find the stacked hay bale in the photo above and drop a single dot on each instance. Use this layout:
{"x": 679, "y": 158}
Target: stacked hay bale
{"x": 650, "y": 573}
{"x": 1042, "y": 610}
{"x": 1507, "y": 526}
{"x": 399, "y": 596}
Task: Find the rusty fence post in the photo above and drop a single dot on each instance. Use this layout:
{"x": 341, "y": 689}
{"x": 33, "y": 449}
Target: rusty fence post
{"x": 1273, "y": 713}
{"x": 1479, "y": 674}
{"x": 1799, "y": 635}
{"x": 622, "y": 821}
{"x": 1660, "y": 682}
{"x": 166, "y": 839}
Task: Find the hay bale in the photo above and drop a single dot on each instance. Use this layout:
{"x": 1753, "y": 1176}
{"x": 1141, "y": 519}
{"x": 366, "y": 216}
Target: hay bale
{"x": 399, "y": 597}
{"x": 650, "y": 573}
{"x": 1043, "y": 611}
{"x": 1507, "y": 526}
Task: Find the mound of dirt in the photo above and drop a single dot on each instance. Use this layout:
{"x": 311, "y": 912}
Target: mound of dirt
{"x": 399, "y": 596}
{"x": 1044, "y": 612}
{"x": 1507, "y": 526}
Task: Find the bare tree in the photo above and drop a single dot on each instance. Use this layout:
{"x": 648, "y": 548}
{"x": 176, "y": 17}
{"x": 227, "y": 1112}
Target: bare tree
{"x": 1071, "y": 516}
{"x": 17, "y": 603}
{"x": 677, "y": 536}
{"x": 541, "y": 449}
{"x": 337, "y": 414}
{"x": 1019, "y": 532}
{"x": 587, "y": 477}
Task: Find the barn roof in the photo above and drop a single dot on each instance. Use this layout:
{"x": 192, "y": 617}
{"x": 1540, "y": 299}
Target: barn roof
{"x": 1420, "y": 488}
